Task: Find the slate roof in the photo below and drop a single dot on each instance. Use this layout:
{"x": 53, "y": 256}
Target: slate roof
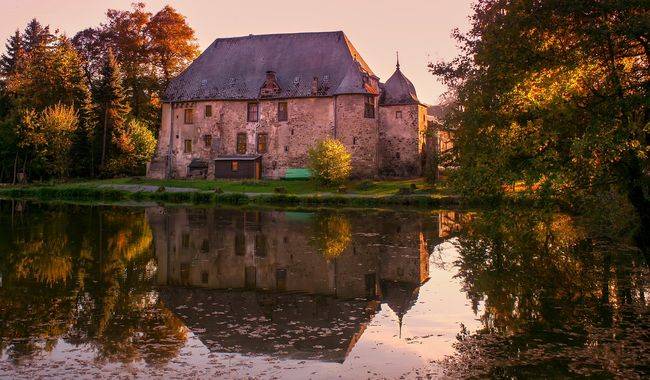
{"x": 398, "y": 90}
{"x": 235, "y": 68}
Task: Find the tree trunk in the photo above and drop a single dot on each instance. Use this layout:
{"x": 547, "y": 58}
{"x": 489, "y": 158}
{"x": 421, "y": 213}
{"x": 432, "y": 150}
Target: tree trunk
{"x": 15, "y": 168}
{"x": 104, "y": 135}
{"x": 640, "y": 203}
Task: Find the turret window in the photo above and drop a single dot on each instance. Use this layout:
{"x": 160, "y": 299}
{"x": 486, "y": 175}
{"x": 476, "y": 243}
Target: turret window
{"x": 369, "y": 107}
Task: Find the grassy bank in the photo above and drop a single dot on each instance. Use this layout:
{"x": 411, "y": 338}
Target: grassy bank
{"x": 298, "y": 187}
{"x": 357, "y": 193}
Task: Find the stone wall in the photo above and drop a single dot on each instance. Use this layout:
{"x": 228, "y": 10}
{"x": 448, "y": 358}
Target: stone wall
{"x": 402, "y": 139}
{"x": 358, "y": 133}
{"x": 309, "y": 120}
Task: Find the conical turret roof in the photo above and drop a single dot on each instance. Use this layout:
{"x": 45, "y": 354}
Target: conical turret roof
{"x": 399, "y": 90}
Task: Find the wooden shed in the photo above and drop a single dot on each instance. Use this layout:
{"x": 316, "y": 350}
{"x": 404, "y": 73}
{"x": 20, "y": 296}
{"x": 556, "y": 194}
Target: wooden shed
{"x": 238, "y": 167}
{"x": 198, "y": 169}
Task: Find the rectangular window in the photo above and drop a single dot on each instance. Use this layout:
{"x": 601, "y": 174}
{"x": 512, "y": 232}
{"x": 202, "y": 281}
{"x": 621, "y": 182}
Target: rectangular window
{"x": 205, "y": 246}
{"x": 283, "y": 111}
{"x": 185, "y": 240}
{"x": 204, "y": 277}
{"x": 240, "y": 244}
{"x": 188, "y": 146}
{"x": 253, "y": 112}
{"x": 189, "y": 116}
{"x": 369, "y": 108}
{"x": 262, "y": 143}
{"x": 207, "y": 141}
{"x": 398, "y": 114}
{"x": 208, "y": 110}
{"x": 241, "y": 143}
{"x": 234, "y": 166}
{"x": 260, "y": 245}
{"x": 281, "y": 279}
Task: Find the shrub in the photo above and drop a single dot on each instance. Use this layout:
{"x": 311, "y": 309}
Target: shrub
{"x": 403, "y": 190}
{"x": 329, "y": 161}
{"x": 365, "y": 185}
{"x": 280, "y": 190}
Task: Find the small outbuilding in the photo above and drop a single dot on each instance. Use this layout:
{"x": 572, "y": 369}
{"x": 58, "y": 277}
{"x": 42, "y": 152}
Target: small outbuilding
{"x": 198, "y": 169}
{"x": 238, "y": 167}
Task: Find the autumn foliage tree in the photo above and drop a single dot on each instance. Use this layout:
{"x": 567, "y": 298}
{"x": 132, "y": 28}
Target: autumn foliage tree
{"x": 111, "y": 77}
{"x": 330, "y": 162}
{"x": 553, "y": 95}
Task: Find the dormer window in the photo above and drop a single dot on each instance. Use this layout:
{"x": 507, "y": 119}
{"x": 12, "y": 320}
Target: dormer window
{"x": 369, "y": 107}
{"x": 398, "y": 114}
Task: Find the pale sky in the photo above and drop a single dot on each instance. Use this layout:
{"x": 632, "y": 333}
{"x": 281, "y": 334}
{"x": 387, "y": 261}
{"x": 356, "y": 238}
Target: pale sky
{"x": 419, "y": 29}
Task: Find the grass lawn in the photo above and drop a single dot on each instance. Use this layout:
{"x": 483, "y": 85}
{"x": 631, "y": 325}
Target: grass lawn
{"x": 300, "y": 187}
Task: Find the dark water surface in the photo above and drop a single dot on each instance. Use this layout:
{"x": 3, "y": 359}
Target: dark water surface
{"x": 182, "y": 292}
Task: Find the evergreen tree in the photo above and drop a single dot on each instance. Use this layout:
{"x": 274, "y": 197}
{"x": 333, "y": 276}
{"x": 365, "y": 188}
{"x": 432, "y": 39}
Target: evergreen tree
{"x": 83, "y": 151}
{"x": 14, "y": 53}
{"x": 112, "y": 105}
{"x": 36, "y": 36}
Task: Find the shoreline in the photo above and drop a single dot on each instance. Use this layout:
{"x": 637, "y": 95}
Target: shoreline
{"x": 111, "y": 193}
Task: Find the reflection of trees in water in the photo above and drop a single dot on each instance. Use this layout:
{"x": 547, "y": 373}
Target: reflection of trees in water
{"x": 92, "y": 269}
{"x": 332, "y": 234}
{"x": 557, "y": 296}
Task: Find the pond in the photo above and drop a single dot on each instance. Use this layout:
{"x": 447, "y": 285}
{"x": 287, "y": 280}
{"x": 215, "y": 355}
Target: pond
{"x": 175, "y": 291}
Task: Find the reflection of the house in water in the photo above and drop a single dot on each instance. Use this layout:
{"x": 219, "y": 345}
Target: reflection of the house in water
{"x": 258, "y": 282}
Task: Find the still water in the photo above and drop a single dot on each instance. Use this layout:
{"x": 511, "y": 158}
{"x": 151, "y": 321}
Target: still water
{"x": 187, "y": 292}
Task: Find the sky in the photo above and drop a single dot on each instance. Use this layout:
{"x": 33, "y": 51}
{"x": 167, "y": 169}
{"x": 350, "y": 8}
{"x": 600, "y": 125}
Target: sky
{"x": 419, "y": 29}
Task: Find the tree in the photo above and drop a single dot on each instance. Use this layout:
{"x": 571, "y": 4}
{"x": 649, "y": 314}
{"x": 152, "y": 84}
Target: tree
{"x": 46, "y": 139}
{"x": 10, "y": 61}
{"x": 172, "y": 43}
{"x": 36, "y": 36}
{"x": 136, "y": 145}
{"x": 83, "y": 147}
{"x": 330, "y": 161}
{"x": 89, "y": 44}
{"x": 553, "y": 95}
{"x": 150, "y": 51}
{"x": 125, "y": 34}
{"x": 112, "y": 105}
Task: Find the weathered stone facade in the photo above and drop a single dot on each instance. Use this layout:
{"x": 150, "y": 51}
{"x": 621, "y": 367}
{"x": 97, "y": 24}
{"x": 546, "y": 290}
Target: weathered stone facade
{"x": 343, "y": 100}
{"x": 402, "y": 140}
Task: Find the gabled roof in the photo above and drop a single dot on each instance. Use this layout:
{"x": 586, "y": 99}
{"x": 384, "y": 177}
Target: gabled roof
{"x": 235, "y": 68}
{"x": 398, "y": 90}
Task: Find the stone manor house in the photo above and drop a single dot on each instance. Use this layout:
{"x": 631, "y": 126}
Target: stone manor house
{"x": 251, "y": 107}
